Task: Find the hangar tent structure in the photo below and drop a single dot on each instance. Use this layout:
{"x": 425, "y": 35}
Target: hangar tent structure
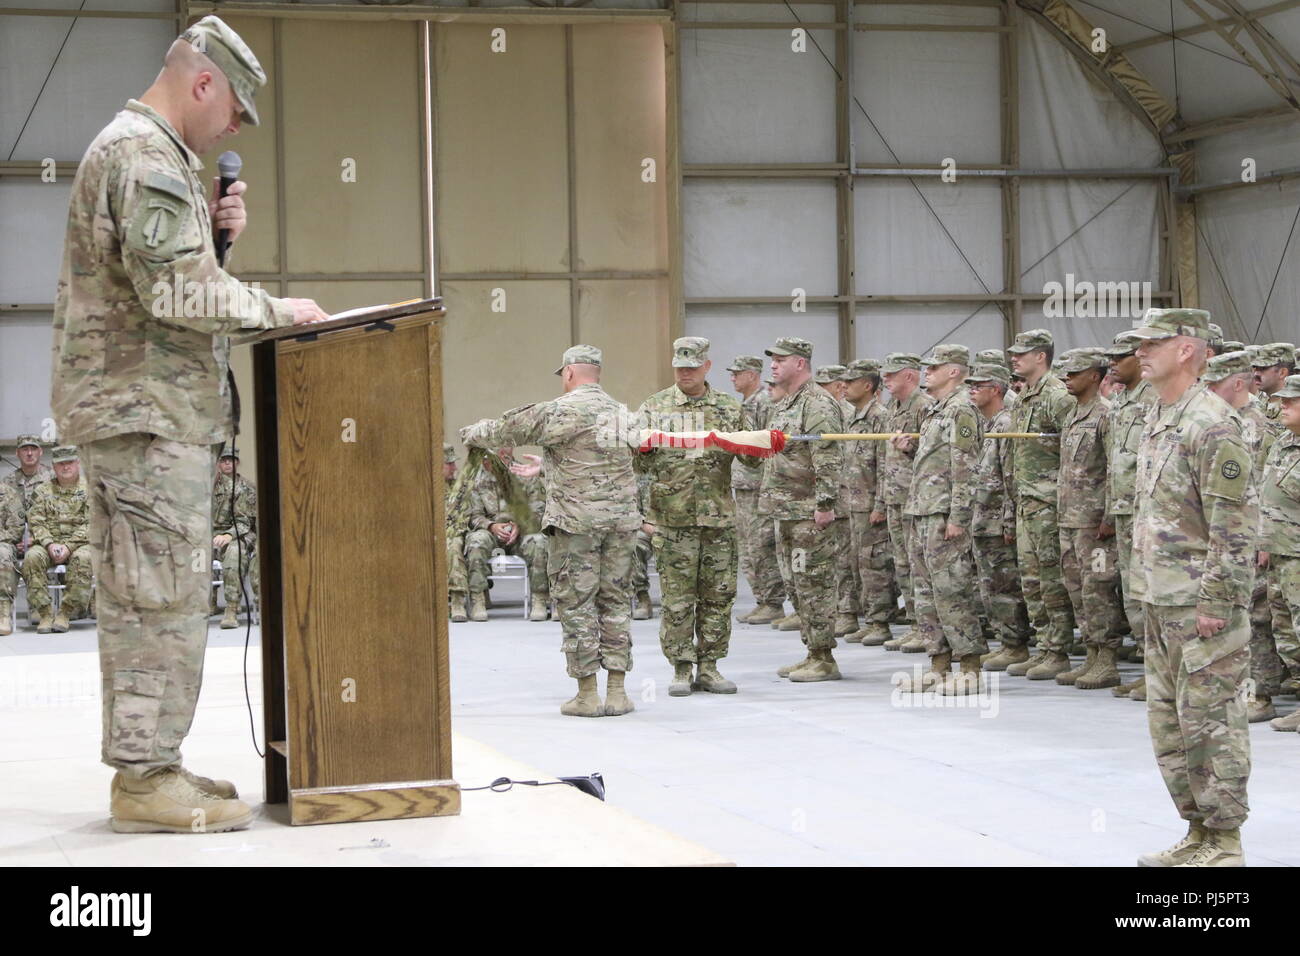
{"x": 874, "y": 176}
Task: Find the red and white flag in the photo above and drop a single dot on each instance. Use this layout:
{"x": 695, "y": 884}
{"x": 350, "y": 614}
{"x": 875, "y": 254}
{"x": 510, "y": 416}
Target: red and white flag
{"x": 759, "y": 444}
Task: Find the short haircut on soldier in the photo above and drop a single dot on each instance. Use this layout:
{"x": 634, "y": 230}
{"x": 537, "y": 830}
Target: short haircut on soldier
{"x": 873, "y": 378}
{"x": 1048, "y": 350}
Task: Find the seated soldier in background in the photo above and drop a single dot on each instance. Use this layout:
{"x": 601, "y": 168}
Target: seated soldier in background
{"x": 493, "y": 524}
{"x": 31, "y": 472}
{"x": 11, "y": 536}
{"x": 59, "y": 518}
{"x": 457, "y": 574}
{"x": 234, "y": 535}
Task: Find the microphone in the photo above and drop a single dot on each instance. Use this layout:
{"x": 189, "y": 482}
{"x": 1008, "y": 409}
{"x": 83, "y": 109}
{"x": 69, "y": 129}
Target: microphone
{"x": 228, "y": 165}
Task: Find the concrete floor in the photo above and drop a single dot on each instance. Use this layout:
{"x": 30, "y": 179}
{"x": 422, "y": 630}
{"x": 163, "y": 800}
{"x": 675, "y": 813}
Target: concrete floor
{"x": 838, "y": 773}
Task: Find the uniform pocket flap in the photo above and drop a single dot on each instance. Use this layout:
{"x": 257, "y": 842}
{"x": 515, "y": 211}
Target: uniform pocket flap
{"x": 143, "y": 683}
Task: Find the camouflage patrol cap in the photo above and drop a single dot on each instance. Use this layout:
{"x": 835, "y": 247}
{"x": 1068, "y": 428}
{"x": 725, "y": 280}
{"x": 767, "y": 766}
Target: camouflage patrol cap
{"x": 829, "y": 373}
{"x": 690, "y": 351}
{"x": 861, "y": 368}
{"x": 947, "y": 354}
{"x": 991, "y": 357}
{"x": 214, "y": 38}
{"x": 1276, "y": 353}
{"x": 1033, "y": 339}
{"x": 1216, "y": 336}
{"x": 1231, "y": 345}
{"x": 1169, "y": 323}
{"x": 26, "y": 440}
{"x": 1125, "y": 344}
{"x": 1080, "y": 360}
{"x": 1229, "y": 363}
{"x": 65, "y": 453}
{"x": 897, "y": 361}
{"x": 746, "y": 363}
{"x": 791, "y": 345}
{"x": 579, "y": 355}
{"x": 985, "y": 372}
{"x": 1290, "y": 388}
{"x": 228, "y": 451}
{"x": 448, "y": 452}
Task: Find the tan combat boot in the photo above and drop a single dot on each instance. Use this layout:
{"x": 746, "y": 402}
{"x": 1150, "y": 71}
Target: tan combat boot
{"x": 915, "y": 683}
{"x": 1219, "y": 848}
{"x": 894, "y": 643}
{"x": 63, "y": 620}
{"x": 46, "y": 619}
{"x": 914, "y": 644}
{"x": 537, "y": 608}
{"x": 1104, "y": 673}
{"x": 1123, "y": 690}
{"x": 1180, "y": 851}
{"x": 1290, "y": 686}
{"x": 1006, "y": 657}
{"x": 222, "y": 789}
{"x": 1259, "y": 709}
{"x": 231, "y": 617}
{"x": 766, "y": 614}
{"x": 642, "y": 610}
{"x": 854, "y": 637}
{"x": 1290, "y": 722}
{"x": 964, "y": 681}
{"x": 1055, "y": 662}
{"x": 845, "y": 624}
{"x": 708, "y": 679}
{"x": 478, "y": 606}
{"x": 1074, "y": 673}
{"x": 791, "y": 623}
{"x": 821, "y": 667}
{"x": 789, "y": 669}
{"x": 457, "y": 602}
{"x": 617, "y": 703}
{"x": 167, "y": 802}
{"x": 586, "y": 703}
{"x": 683, "y": 678}
{"x": 6, "y": 609}
{"x": 874, "y": 635}
{"x": 1021, "y": 668}
{"x": 1140, "y": 691}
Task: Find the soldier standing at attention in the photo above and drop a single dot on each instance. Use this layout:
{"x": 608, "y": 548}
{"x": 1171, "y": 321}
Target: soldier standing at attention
{"x": 1195, "y": 537}
{"x": 236, "y": 557}
{"x": 1043, "y": 406}
{"x": 901, "y": 373}
{"x": 591, "y": 519}
{"x": 694, "y": 519}
{"x": 755, "y": 536}
{"x": 1272, "y": 363}
{"x": 864, "y": 465}
{"x": 801, "y": 490}
{"x": 1280, "y": 537}
{"x": 1127, "y": 416}
{"x": 993, "y": 521}
{"x": 144, "y": 395}
{"x": 939, "y": 504}
{"x": 830, "y": 378}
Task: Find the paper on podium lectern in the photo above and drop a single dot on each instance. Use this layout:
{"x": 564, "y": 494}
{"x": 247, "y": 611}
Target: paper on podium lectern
{"x": 366, "y": 309}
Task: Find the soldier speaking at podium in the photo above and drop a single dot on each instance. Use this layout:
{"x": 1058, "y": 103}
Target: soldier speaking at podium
{"x": 143, "y": 392}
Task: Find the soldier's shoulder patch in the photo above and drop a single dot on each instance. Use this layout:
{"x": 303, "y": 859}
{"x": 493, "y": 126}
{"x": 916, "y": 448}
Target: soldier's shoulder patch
{"x": 1229, "y": 473}
{"x": 168, "y": 184}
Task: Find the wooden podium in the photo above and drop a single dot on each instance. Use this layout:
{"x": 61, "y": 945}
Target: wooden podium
{"x": 354, "y": 587}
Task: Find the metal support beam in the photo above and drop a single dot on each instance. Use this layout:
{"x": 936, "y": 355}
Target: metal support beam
{"x": 1233, "y": 123}
{"x": 493, "y": 15}
{"x": 1196, "y": 30}
{"x": 1271, "y": 73}
{"x": 845, "y": 156}
{"x": 1009, "y": 62}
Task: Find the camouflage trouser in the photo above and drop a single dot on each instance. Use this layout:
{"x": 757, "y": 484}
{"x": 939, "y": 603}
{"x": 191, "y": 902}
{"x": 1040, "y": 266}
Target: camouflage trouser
{"x": 1089, "y": 568}
{"x": 900, "y": 532}
{"x": 697, "y": 575}
{"x": 1038, "y": 553}
{"x": 944, "y": 588}
{"x": 995, "y": 562}
{"x": 783, "y": 564}
{"x": 78, "y": 578}
{"x": 846, "y": 572}
{"x": 231, "y": 557}
{"x": 8, "y": 571}
{"x": 151, "y": 537}
{"x": 810, "y": 553}
{"x": 1267, "y": 671}
{"x": 872, "y": 550}
{"x": 641, "y": 563}
{"x": 1284, "y": 599}
{"x": 756, "y": 540}
{"x": 457, "y": 573}
{"x": 479, "y": 546}
{"x": 1196, "y": 710}
{"x": 1124, "y": 545}
{"x": 591, "y": 584}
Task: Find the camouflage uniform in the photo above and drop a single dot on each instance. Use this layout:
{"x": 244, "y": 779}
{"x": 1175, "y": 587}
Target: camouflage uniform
{"x": 457, "y": 572}
{"x": 695, "y": 522}
{"x": 992, "y": 519}
{"x": 641, "y": 559}
{"x": 1280, "y": 539}
{"x": 1195, "y": 530}
{"x": 903, "y": 417}
{"x": 143, "y": 392}
{"x": 26, "y": 485}
{"x": 864, "y": 461}
{"x": 942, "y": 493}
{"x": 11, "y": 533}
{"x": 1043, "y": 407}
{"x": 240, "y": 553}
{"x": 490, "y": 505}
{"x": 591, "y": 514}
{"x": 59, "y": 515}
{"x": 1125, "y": 419}
{"x": 756, "y": 536}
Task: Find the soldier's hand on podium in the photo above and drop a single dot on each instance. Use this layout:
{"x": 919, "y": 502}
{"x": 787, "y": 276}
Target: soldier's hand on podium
{"x": 306, "y": 310}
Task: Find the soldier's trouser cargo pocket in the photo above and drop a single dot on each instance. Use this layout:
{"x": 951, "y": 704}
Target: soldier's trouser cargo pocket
{"x": 136, "y": 704}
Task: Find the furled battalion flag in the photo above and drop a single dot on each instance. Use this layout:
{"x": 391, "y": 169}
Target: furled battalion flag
{"x": 759, "y": 444}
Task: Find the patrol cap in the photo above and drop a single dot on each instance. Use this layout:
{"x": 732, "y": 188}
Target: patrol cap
{"x": 861, "y": 368}
{"x": 448, "y": 452}
{"x": 228, "y": 451}
{"x": 947, "y": 354}
{"x": 1169, "y": 323}
{"x": 991, "y": 357}
{"x": 1216, "y": 336}
{"x": 1033, "y": 339}
{"x": 1080, "y": 360}
{"x": 829, "y": 373}
{"x": 1229, "y": 363}
{"x": 26, "y": 440}
{"x": 791, "y": 345}
{"x": 1290, "y": 388}
{"x": 214, "y": 38}
{"x": 1276, "y": 353}
{"x": 1125, "y": 344}
{"x": 690, "y": 351}
{"x": 65, "y": 453}
{"x": 1230, "y": 345}
{"x": 985, "y": 372}
{"x": 746, "y": 363}
{"x": 897, "y": 361}
{"x": 579, "y": 355}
